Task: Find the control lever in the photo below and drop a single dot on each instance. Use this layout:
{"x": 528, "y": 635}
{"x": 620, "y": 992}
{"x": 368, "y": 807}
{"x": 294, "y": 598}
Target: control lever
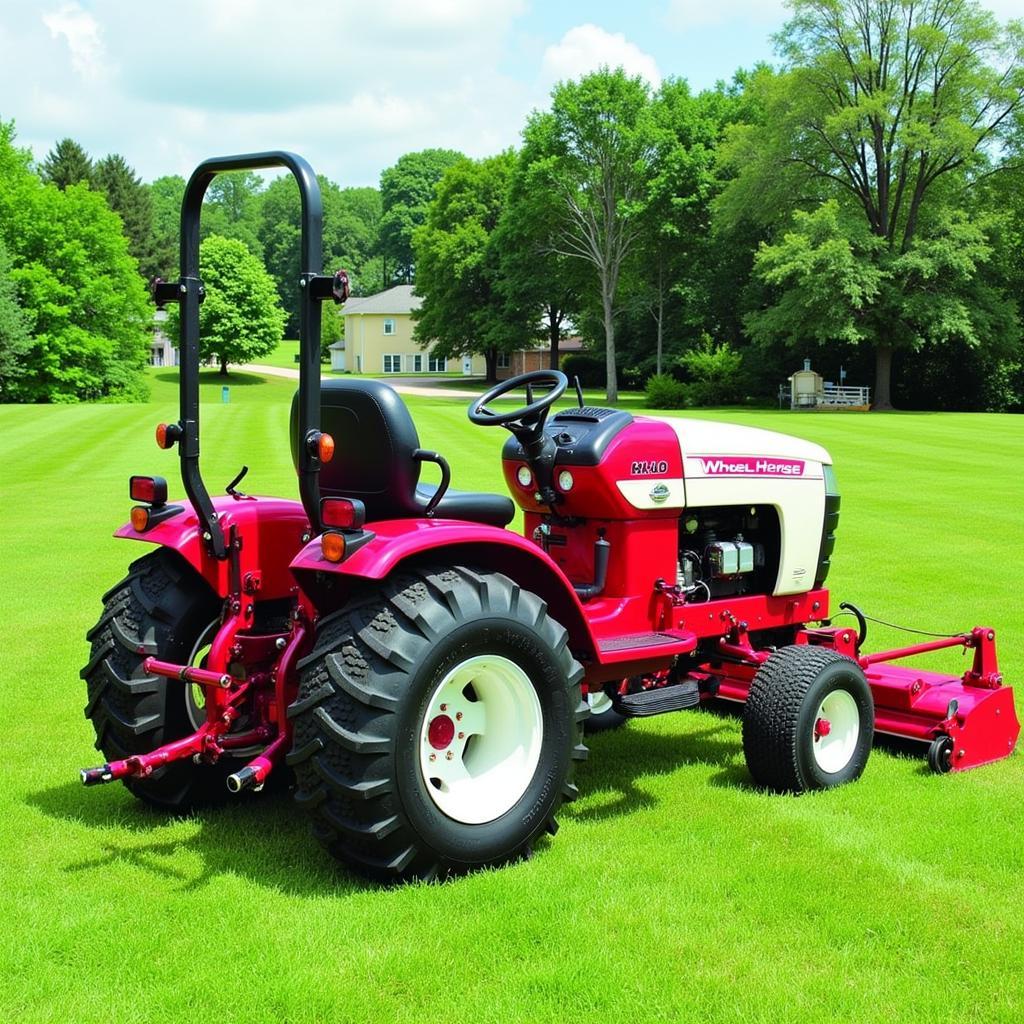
{"x": 579, "y": 390}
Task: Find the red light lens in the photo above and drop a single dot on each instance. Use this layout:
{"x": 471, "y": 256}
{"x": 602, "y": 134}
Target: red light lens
{"x": 342, "y": 513}
{"x": 152, "y": 489}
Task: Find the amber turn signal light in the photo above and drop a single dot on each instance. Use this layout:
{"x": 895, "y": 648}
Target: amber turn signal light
{"x": 332, "y": 546}
{"x": 325, "y": 447}
{"x": 140, "y": 518}
{"x": 167, "y": 434}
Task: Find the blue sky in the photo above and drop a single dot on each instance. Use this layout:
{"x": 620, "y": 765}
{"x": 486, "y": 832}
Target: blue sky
{"x": 350, "y": 84}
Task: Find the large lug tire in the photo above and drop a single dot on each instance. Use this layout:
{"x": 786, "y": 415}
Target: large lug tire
{"x": 603, "y": 716}
{"x": 437, "y": 725}
{"x": 808, "y": 722}
{"x": 160, "y": 609}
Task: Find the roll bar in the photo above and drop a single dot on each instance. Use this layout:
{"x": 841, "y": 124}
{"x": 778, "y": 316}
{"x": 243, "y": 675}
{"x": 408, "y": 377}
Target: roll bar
{"x": 189, "y": 292}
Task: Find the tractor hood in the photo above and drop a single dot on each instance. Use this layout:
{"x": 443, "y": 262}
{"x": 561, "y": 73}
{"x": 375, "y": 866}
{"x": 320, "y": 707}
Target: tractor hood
{"x": 751, "y": 451}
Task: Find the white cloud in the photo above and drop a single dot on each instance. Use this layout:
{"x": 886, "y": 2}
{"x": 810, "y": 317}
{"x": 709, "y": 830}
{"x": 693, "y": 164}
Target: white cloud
{"x": 82, "y": 35}
{"x": 586, "y": 48}
{"x": 686, "y": 14}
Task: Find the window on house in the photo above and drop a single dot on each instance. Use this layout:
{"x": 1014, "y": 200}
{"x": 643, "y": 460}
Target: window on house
{"x": 503, "y": 363}
{"x": 417, "y": 364}
{"x": 438, "y": 364}
{"x": 393, "y": 363}
{"x": 389, "y": 326}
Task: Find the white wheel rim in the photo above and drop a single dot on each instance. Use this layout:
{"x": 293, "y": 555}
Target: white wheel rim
{"x": 836, "y": 731}
{"x": 599, "y": 702}
{"x": 478, "y": 757}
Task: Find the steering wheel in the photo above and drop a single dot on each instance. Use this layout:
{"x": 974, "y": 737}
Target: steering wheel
{"x": 531, "y": 415}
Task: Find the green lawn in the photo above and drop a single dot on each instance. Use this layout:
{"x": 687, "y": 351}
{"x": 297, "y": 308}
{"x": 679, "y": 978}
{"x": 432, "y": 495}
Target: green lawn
{"x": 673, "y": 891}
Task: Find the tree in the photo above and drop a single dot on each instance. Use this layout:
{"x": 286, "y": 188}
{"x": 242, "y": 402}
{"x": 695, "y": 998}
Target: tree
{"x": 90, "y": 317}
{"x": 540, "y": 288}
{"x": 166, "y": 194}
{"x": 897, "y": 110}
{"x": 351, "y": 217}
{"x": 594, "y": 151}
{"x": 406, "y": 191}
{"x": 15, "y": 339}
{"x": 462, "y": 311}
{"x": 66, "y": 164}
{"x": 231, "y": 209}
{"x": 240, "y": 318}
{"x": 131, "y": 201}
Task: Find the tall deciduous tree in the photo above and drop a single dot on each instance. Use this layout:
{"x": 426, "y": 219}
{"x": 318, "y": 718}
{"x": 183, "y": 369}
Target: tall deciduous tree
{"x": 240, "y": 318}
{"x": 541, "y": 289}
{"x": 462, "y": 312}
{"x": 90, "y": 315}
{"x": 131, "y": 201}
{"x": 66, "y": 164}
{"x": 406, "y": 191}
{"x": 896, "y": 108}
{"x": 594, "y": 150}
{"x": 166, "y": 194}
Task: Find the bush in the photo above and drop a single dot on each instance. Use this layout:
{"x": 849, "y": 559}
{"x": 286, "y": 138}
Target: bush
{"x": 715, "y": 371}
{"x": 590, "y": 369}
{"x": 663, "y": 391}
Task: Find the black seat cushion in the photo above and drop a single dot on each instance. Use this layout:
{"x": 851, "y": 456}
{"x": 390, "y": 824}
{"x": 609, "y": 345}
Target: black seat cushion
{"x": 375, "y": 438}
{"x": 474, "y": 507}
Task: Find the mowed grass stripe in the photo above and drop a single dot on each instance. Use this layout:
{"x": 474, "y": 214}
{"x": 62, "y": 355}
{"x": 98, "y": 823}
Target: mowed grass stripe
{"x": 673, "y": 890}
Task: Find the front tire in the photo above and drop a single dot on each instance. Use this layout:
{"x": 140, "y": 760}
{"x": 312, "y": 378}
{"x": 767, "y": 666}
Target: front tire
{"x": 161, "y": 609}
{"x": 808, "y": 722}
{"x": 437, "y": 725}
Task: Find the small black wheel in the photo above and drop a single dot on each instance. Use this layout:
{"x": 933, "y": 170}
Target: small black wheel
{"x": 808, "y": 721}
{"x": 437, "y": 725}
{"x": 603, "y": 716}
{"x": 940, "y": 754}
{"x": 161, "y": 609}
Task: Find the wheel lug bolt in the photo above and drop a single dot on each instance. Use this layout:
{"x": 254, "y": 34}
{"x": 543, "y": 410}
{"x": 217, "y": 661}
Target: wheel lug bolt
{"x": 433, "y": 757}
{"x": 449, "y": 755}
{"x": 458, "y": 716}
{"x": 444, "y": 707}
{"x": 462, "y": 735}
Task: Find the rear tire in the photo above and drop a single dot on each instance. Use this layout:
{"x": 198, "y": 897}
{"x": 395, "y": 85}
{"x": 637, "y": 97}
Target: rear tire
{"x": 160, "y": 609}
{"x": 437, "y": 725}
{"x": 808, "y": 721}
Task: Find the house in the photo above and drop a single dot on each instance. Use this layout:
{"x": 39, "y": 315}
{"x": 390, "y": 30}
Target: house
{"x": 162, "y": 351}
{"x": 536, "y": 357}
{"x": 378, "y": 338}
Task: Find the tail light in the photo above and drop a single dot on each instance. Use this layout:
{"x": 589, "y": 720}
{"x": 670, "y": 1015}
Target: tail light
{"x": 151, "y": 489}
{"x": 332, "y": 546}
{"x": 343, "y": 513}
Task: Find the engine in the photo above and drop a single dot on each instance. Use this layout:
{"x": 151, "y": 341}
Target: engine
{"x": 727, "y": 550}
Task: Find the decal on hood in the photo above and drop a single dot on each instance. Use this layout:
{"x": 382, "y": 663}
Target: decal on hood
{"x": 746, "y": 465}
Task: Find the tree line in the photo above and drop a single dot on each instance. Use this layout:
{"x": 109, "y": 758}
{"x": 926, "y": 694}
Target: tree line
{"x": 860, "y": 205}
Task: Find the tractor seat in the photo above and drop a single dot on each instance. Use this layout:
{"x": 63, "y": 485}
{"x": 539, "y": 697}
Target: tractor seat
{"x": 375, "y": 438}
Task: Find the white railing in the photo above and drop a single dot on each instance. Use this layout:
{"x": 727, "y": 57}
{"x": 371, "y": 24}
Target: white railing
{"x": 831, "y": 398}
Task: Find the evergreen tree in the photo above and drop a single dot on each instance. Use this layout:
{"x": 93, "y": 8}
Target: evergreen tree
{"x": 15, "y": 338}
{"x": 66, "y": 164}
{"x": 130, "y": 200}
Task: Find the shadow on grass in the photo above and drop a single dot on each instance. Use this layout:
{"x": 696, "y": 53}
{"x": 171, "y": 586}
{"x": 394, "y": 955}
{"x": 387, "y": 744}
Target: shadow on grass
{"x": 619, "y": 759}
{"x": 212, "y": 378}
{"x": 263, "y": 838}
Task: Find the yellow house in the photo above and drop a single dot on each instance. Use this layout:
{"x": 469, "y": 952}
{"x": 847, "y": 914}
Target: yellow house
{"x": 378, "y": 339}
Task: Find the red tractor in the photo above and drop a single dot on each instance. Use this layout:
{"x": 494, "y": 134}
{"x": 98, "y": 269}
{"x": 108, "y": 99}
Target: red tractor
{"x": 427, "y": 673}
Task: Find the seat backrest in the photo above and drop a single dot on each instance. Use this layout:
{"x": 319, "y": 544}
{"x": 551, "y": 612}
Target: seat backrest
{"x": 374, "y": 440}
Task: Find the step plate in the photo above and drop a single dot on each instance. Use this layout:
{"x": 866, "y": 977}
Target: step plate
{"x": 658, "y": 701}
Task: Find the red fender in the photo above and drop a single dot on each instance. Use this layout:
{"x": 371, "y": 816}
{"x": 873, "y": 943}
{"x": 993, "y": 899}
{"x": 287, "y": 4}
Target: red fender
{"x": 398, "y": 540}
{"x": 272, "y": 531}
